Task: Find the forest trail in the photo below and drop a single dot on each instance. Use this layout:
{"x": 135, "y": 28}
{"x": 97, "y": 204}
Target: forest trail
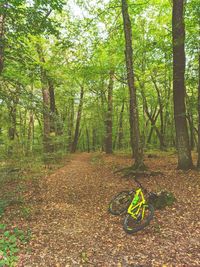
{"x": 71, "y": 225}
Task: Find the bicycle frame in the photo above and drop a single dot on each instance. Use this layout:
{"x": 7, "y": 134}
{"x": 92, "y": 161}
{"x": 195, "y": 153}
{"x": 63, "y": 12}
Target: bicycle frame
{"x": 137, "y": 203}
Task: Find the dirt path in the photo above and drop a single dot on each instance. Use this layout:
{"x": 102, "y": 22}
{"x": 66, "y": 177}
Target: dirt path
{"x": 71, "y": 225}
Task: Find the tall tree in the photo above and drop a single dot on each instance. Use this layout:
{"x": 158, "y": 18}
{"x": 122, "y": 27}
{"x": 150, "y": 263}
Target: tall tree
{"x": 182, "y": 137}
{"x": 198, "y": 148}
{"x": 134, "y": 118}
{"x": 120, "y": 131}
{"x": 2, "y": 23}
{"x": 53, "y": 127}
{"x": 78, "y": 121}
{"x": 46, "y": 101}
{"x": 108, "y": 143}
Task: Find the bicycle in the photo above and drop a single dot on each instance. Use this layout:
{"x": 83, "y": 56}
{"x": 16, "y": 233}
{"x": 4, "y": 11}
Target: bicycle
{"x": 139, "y": 211}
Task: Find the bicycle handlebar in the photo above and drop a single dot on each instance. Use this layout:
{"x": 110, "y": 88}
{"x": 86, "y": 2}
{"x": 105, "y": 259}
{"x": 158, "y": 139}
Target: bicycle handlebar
{"x": 140, "y": 185}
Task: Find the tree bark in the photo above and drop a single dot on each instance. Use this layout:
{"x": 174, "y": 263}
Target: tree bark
{"x": 46, "y": 102}
{"x": 70, "y": 122}
{"x": 160, "y": 102}
{"x": 182, "y": 137}
{"x": 88, "y": 140}
{"x": 53, "y": 128}
{"x": 120, "y": 133}
{"x": 198, "y": 147}
{"x": 2, "y": 29}
{"x": 108, "y": 141}
{"x": 78, "y": 120}
{"x": 12, "y": 119}
{"x": 94, "y": 139}
{"x": 30, "y": 132}
{"x": 134, "y": 118}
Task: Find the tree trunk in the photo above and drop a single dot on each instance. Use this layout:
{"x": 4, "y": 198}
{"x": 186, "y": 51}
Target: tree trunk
{"x": 182, "y": 138}
{"x": 191, "y": 128}
{"x": 160, "y": 102}
{"x": 12, "y": 119}
{"x": 94, "y": 139}
{"x": 70, "y": 122}
{"x": 2, "y": 41}
{"x": 134, "y": 118}
{"x": 30, "y": 132}
{"x": 120, "y": 133}
{"x": 53, "y": 127}
{"x": 198, "y": 147}
{"x": 78, "y": 120}
{"x": 46, "y": 103}
{"x": 88, "y": 140}
{"x": 108, "y": 143}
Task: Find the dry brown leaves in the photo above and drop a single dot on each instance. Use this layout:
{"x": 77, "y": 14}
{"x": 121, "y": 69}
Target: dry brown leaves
{"x": 71, "y": 225}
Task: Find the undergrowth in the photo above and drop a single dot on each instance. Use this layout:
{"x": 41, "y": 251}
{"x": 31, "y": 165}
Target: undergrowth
{"x": 10, "y": 242}
{"x": 17, "y": 174}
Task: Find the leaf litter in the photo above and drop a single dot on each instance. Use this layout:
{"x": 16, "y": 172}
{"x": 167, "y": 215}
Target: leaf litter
{"x": 71, "y": 226}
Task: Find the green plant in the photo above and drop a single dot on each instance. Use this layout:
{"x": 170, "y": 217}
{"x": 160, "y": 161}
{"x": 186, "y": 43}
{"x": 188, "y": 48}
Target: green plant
{"x": 97, "y": 159}
{"x": 9, "y": 244}
{"x": 162, "y": 199}
{"x": 26, "y": 212}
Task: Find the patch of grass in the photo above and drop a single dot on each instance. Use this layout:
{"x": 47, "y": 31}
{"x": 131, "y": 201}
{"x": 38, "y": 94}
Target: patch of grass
{"x": 26, "y": 212}
{"x": 97, "y": 159}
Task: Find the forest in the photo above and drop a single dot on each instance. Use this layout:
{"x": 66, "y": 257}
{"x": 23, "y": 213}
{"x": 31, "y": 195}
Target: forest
{"x": 94, "y": 97}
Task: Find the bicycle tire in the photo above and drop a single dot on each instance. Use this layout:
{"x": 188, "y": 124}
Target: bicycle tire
{"x": 120, "y": 203}
{"x": 137, "y": 225}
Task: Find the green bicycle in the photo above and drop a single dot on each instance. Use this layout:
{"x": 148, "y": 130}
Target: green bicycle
{"x": 139, "y": 211}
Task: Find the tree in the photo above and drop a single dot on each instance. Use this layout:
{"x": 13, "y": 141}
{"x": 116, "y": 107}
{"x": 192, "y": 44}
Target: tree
{"x": 198, "y": 147}
{"x": 78, "y": 120}
{"x": 46, "y": 100}
{"x": 2, "y": 23}
{"x": 182, "y": 138}
{"x": 134, "y": 119}
{"x": 108, "y": 143}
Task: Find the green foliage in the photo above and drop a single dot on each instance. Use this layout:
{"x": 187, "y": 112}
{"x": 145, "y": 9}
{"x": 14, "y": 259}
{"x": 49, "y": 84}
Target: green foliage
{"x": 162, "y": 200}
{"x": 97, "y": 159}
{"x": 10, "y": 241}
{"x": 26, "y": 212}
{"x": 79, "y": 49}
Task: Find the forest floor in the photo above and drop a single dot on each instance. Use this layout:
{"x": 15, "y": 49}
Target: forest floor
{"x": 68, "y": 216}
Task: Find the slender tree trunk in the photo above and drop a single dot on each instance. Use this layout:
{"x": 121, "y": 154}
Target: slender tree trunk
{"x": 108, "y": 143}
{"x": 46, "y": 118}
{"x": 134, "y": 118}
{"x": 191, "y": 128}
{"x": 70, "y": 122}
{"x": 153, "y": 120}
{"x": 88, "y": 140}
{"x": 182, "y": 138}
{"x": 46, "y": 103}
{"x": 12, "y": 119}
{"x": 120, "y": 133}
{"x": 198, "y": 146}
{"x": 160, "y": 102}
{"x": 53, "y": 128}
{"x": 30, "y": 132}
{"x": 12, "y": 108}
{"x": 152, "y": 117}
{"x": 94, "y": 139}
{"x": 2, "y": 41}
{"x": 78, "y": 120}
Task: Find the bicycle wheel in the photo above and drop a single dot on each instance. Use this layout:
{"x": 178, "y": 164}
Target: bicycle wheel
{"x": 120, "y": 203}
{"x": 132, "y": 225}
